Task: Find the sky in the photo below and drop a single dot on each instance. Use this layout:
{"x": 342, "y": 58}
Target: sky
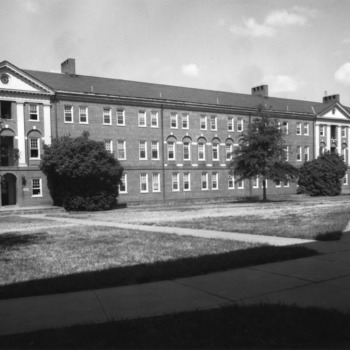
{"x": 300, "y": 49}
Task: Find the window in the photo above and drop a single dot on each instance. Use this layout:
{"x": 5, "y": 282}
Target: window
{"x": 230, "y": 124}
{"x": 36, "y": 188}
{"x": 203, "y": 122}
{"x": 285, "y": 128}
{"x": 213, "y": 122}
{"x": 343, "y": 131}
{"x": 344, "y": 152}
{"x": 121, "y": 149}
{"x": 231, "y": 182}
{"x": 204, "y": 181}
{"x": 240, "y": 125}
{"x": 120, "y": 117}
{"x": 34, "y": 148}
{"x": 240, "y": 184}
{"x": 33, "y": 112}
{"x": 286, "y": 150}
{"x": 187, "y": 150}
{"x": 278, "y": 183}
{"x": 333, "y": 132}
{"x": 298, "y": 128}
{"x": 156, "y": 182}
{"x": 109, "y": 146}
{"x": 173, "y": 120}
{"x": 185, "y": 124}
{"x": 142, "y": 118}
{"x": 306, "y": 128}
{"x": 306, "y": 153}
{"x": 256, "y": 182}
{"x": 216, "y": 151}
{"x": 345, "y": 179}
{"x": 123, "y": 187}
{"x": 154, "y": 119}
{"x": 187, "y": 181}
{"x": 201, "y": 151}
{"x": 286, "y": 183}
{"x": 215, "y": 181}
{"x": 298, "y": 153}
{"x": 68, "y": 114}
{"x": 83, "y": 115}
{"x": 175, "y": 182}
{"x": 229, "y": 150}
{"x": 155, "y": 149}
{"x": 143, "y": 183}
{"x": 107, "y": 116}
{"x": 321, "y": 130}
{"x": 171, "y": 150}
{"x": 143, "y": 150}
{"x": 5, "y": 110}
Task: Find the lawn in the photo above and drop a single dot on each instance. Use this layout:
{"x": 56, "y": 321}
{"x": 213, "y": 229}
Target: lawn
{"x": 256, "y": 326}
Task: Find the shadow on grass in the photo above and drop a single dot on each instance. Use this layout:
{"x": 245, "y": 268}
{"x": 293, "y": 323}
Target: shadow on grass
{"x": 14, "y": 239}
{"x": 162, "y": 270}
{"x": 329, "y": 236}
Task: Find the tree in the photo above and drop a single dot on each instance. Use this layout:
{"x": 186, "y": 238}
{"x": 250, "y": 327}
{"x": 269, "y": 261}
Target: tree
{"x": 262, "y": 153}
{"x": 322, "y": 176}
{"x": 81, "y": 174}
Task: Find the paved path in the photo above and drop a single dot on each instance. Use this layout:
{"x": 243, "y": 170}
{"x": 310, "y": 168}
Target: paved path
{"x": 320, "y": 281}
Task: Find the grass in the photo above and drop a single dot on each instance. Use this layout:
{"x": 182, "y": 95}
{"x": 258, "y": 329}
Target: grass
{"x": 325, "y": 224}
{"x": 20, "y": 223}
{"x": 256, "y": 326}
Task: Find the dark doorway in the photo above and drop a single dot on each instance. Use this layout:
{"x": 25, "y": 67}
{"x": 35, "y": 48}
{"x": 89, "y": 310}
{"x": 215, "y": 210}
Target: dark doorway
{"x": 8, "y": 189}
{"x": 7, "y": 157}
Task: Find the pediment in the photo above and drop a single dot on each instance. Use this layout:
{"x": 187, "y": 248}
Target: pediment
{"x": 335, "y": 111}
{"x": 15, "y": 80}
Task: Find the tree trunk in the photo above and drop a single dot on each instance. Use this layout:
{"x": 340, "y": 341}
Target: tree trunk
{"x": 264, "y": 190}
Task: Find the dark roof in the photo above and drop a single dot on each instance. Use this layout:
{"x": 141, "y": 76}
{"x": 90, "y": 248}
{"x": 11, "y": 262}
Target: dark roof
{"x": 125, "y": 88}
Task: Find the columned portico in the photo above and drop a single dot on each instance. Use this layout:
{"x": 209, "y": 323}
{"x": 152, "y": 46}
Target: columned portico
{"x": 317, "y": 140}
{"x": 21, "y": 134}
{"x": 328, "y": 137}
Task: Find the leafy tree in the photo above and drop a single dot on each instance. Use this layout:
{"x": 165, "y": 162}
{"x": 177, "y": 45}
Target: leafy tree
{"x": 81, "y": 174}
{"x": 262, "y": 153}
{"x": 322, "y": 176}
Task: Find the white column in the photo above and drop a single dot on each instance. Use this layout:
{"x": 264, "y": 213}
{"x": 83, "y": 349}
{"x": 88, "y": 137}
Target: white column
{"x": 47, "y": 124}
{"x": 21, "y": 134}
{"x": 328, "y": 137}
{"x": 317, "y": 141}
{"x": 348, "y": 145}
{"x": 339, "y": 139}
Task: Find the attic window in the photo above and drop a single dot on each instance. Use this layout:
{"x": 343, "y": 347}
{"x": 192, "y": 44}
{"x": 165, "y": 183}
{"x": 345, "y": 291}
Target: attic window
{"x": 333, "y": 111}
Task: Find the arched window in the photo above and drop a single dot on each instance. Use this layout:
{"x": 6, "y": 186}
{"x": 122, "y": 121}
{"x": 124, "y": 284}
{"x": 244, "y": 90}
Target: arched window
{"x": 34, "y": 144}
{"x": 202, "y": 148}
{"x": 186, "y": 147}
{"x": 215, "y": 149}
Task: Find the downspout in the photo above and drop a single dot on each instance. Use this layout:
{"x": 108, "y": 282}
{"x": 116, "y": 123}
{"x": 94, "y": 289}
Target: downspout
{"x": 163, "y": 153}
{"x": 250, "y": 180}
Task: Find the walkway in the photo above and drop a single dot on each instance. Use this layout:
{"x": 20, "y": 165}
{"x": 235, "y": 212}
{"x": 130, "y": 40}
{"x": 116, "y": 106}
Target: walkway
{"x": 321, "y": 281}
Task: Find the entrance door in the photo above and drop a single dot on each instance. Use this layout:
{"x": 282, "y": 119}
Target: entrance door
{"x": 8, "y": 189}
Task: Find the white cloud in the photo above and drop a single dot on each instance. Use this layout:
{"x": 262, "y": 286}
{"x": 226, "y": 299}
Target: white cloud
{"x": 297, "y": 16}
{"x": 31, "y": 6}
{"x": 343, "y": 74}
{"x": 190, "y": 70}
{"x": 280, "y": 83}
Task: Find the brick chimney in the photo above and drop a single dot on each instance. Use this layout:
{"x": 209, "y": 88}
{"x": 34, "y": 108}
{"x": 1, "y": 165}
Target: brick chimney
{"x": 68, "y": 66}
{"x": 332, "y": 98}
{"x": 262, "y": 90}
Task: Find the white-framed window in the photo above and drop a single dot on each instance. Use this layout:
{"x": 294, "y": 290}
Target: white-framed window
{"x": 171, "y": 150}
{"x": 68, "y": 114}
{"x": 201, "y": 150}
{"x": 143, "y": 182}
{"x": 343, "y": 131}
{"x": 142, "y": 119}
{"x": 240, "y": 124}
{"x": 34, "y": 148}
{"x": 213, "y": 122}
{"x": 203, "y": 122}
{"x": 185, "y": 121}
{"x": 231, "y": 182}
{"x": 121, "y": 117}
{"x": 36, "y": 187}
{"x": 256, "y": 182}
{"x": 173, "y": 120}
{"x": 175, "y": 182}
{"x": 298, "y": 128}
{"x": 285, "y": 128}
{"x": 286, "y": 150}
{"x": 278, "y": 183}
{"x": 229, "y": 150}
{"x": 215, "y": 181}
{"x": 187, "y": 150}
{"x": 83, "y": 115}
{"x": 187, "y": 181}
{"x": 108, "y": 145}
{"x": 345, "y": 179}
{"x": 143, "y": 150}
{"x": 204, "y": 181}
{"x": 286, "y": 183}
{"x": 306, "y": 153}
{"x": 107, "y": 116}
{"x": 155, "y": 150}
{"x": 299, "y": 156}
{"x": 123, "y": 187}
{"x": 322, "y": 130}
{"x": 215, "y": 150}
{"x": 230, "y": 123}
{"x": 306, "y": 129}
{"x": 121, "y": 149}
{"x": 33, "y": 112}
{"x": 154, "y": 119}
{"x": 240, "y": 184}
{"x": 155, "y": 182}
{"x": 344, "y": 152}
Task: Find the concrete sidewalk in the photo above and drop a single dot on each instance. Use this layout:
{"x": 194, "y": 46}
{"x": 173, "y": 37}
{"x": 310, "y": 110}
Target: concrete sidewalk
{"x": 321, "y": 281}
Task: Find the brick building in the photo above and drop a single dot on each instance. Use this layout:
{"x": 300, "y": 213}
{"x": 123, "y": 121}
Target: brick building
{"x": 173, "y": 142}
